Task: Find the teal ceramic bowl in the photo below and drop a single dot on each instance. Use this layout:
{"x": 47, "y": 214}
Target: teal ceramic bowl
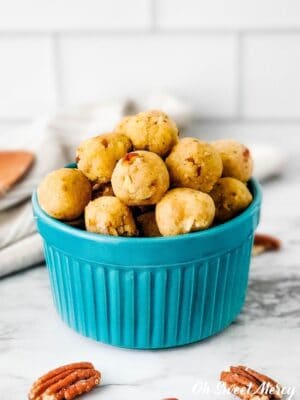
{"x": 150, "y": 293}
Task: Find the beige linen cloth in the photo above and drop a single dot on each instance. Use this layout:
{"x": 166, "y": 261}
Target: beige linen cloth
{"x": 20, "y": 245}
{"x": 53, "y": 140}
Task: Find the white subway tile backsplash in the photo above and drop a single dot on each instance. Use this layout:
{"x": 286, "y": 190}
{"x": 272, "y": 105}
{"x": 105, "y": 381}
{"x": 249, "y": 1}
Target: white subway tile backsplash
{"x": 229, "y": 14}
{"x": 26, "y": 76}
{"x": 226, "y": 59}
{"x": 200, "y": 68}
{"x": 74, "y": 14}
{"x": 271, "y": 76}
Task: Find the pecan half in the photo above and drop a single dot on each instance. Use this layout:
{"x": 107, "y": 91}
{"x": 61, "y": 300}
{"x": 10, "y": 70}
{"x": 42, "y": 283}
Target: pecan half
{"x": 248, "y": 384}
{"x": 263, "y": 242}
{"x": 66, "y": 382}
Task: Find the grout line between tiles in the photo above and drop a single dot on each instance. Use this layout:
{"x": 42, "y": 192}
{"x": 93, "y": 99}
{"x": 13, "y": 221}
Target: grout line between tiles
{"x": 154, "y": 15}
{"x": 57, "y": 67}
{"x": 217, "y": 120}
{"x": 224, "y": 30}
{"x": 15, "y": 121}
{"x": 249, "y": 120}
{"x": 153, "y": 28}
{"x": 240, "y": 75}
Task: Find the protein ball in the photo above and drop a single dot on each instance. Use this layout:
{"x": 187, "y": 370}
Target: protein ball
{"x": 64, "y": 193}
{"x": 236, "y": 158}
{"x": 194, "y": 164}
{"x": 184, "y": 210}
{"x": 151, "y": 130}
{"x": 109, "y": 216}
{"x": 140, "y": 178}
{"x": 96, "y": 157}
{"x": 231, "y": 197}
{"x": 147, "y": 224}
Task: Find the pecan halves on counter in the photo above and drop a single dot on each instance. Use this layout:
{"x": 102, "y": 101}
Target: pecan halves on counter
{"x": 264, "y": 242}
{"x": 248, "y": 384}
{"x": 66, "y": 382}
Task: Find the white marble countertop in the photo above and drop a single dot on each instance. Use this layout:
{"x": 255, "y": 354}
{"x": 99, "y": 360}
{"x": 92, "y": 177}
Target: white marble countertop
{"x": 266, "y": 336}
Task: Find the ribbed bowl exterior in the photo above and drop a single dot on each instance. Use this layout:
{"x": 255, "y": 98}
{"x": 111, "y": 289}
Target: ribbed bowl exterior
{"x": 142, "y": 303}
{"x": 150, "y": 307}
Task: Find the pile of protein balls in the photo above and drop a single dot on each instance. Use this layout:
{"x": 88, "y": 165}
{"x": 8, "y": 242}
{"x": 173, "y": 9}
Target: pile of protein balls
{"x": 141, "y": 180}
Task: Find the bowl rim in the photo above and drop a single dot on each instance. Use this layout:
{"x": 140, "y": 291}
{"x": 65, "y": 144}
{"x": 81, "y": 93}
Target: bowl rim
{"x": 95, "y": 237}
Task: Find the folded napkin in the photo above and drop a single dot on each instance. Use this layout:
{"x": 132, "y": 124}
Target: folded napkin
{"x": 54, "y": 140}
{"x": 20, "y": 245}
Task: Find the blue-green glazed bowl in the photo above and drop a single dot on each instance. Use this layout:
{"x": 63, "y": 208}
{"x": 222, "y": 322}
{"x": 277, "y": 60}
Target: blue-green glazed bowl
{"x": 150, "y": 293}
